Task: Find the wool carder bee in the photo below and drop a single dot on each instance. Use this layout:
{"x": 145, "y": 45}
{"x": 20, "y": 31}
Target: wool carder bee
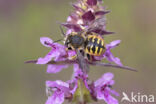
{"x": 88, "y": 44}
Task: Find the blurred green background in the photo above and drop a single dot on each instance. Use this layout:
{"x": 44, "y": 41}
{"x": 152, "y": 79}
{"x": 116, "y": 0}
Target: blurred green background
{"x": 23, "y": 22}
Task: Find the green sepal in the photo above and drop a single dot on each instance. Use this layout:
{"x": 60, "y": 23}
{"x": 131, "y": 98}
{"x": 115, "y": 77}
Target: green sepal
{"x": 82, "y": 94}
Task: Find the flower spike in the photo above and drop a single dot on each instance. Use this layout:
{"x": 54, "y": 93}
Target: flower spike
{"x": 84, "y": 46}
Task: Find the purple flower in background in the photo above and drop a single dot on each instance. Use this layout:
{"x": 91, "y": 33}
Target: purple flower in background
{"x": 88, "y": 17}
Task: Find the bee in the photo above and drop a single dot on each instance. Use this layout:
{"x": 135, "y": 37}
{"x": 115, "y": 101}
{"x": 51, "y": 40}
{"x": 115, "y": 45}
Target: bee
{"x": 88, "y": 44}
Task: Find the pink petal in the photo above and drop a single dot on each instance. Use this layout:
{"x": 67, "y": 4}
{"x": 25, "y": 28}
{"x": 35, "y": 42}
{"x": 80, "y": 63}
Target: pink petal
{"x": 57, "y": 83}
{"x": 56, "y": 98}
{"x": 106, "y": 78}
{"x": 55, "y": 68}
{"x": 45, "y": 40}
{"x": 111, "y": 58}
{"x": 111, "y": 100}
{"x": 113, "y": 44}
{"x": 91, "y": 2}
{"x": 88, "y": 16}
{"x": 45, "y": 59}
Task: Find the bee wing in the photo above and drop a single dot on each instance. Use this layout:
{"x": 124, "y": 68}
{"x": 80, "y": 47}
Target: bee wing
{"x": 98, "y": 26}
{"x": 82, "y": 62}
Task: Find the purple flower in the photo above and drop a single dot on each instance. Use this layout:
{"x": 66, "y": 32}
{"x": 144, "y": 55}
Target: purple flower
{"x": 57, "y": 53}
{"x": 80, "y": 89}
{"x": 104, "y": 91}
{"x": 86, "y": 12}
{"x": 60, "y": 90}
{"x": 88, "y": 17}
{"x": 109, "y": 55}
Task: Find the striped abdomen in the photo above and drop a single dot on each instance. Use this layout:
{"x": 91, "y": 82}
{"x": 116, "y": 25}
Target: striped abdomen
{"x": 94, "y": 45}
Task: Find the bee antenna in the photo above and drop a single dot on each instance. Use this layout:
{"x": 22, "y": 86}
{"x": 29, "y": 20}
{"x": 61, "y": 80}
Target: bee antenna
{"x": 57, "y": 40}
{"x": 62, "y": 31}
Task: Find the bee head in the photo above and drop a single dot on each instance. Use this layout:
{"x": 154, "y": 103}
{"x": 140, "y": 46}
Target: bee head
{"x": 75, "y": 40}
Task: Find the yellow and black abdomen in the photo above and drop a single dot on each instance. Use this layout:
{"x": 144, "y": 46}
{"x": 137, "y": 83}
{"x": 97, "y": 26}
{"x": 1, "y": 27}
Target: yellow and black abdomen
{"x": 94, "y": 45}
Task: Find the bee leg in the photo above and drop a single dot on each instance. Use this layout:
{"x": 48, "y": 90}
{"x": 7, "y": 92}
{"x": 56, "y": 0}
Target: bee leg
{"x": 89, "y": 57}
{"x": 70, "y": 48}
{"x": 73, "y": 57}
{"x": 82, "y": 52}
{"x": 82, "y": 62}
